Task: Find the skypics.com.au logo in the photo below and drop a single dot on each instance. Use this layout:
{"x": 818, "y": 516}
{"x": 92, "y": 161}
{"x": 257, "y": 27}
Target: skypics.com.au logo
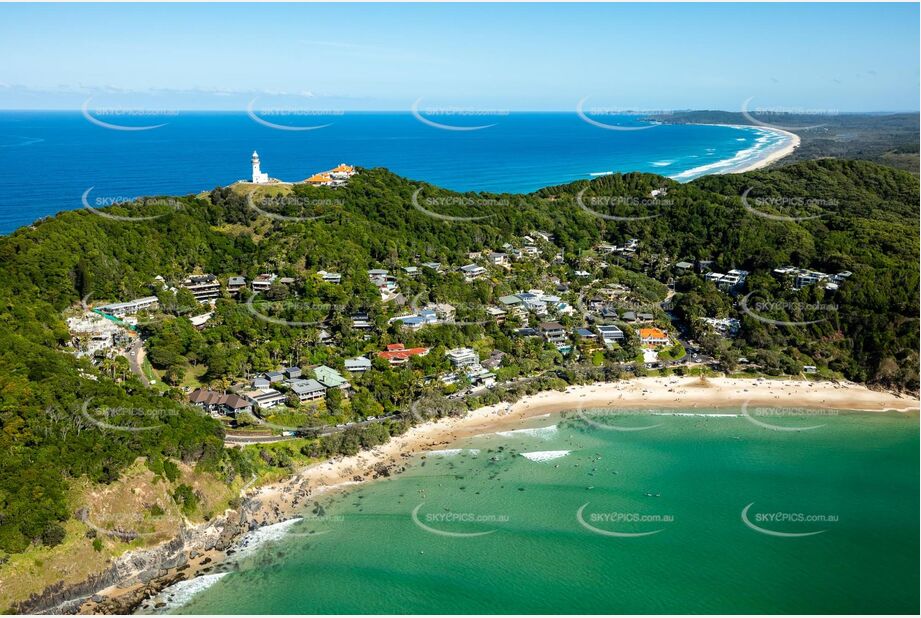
{"x": 592, "y": 115}
{"x": 758, "y": 309}
{"x": 123, "y": 118}
{"x": 456, "y": 115}
{"x": 795, "y": 208}
{"x": 269, "y": 205}
{"x": 771, "y": 117}
{"x": 426, "y": 204}
{"x": 457, "y": 524}
{"x": 786, "y": 524}
{"x": 109, "y": 201}
{"x": 637, "y": 205}
{"x": 622, "y": 524}
{"x": 291, "y": 118}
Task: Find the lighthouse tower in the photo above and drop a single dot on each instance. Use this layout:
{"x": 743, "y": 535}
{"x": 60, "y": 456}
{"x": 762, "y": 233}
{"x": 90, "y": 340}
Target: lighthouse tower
{"x": 259, "y": 177}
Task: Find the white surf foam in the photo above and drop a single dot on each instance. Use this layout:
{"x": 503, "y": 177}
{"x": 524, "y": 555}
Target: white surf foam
{"x": 534, "y": 432}
{"x": 180, "y": 593}
{"x": 545, "y": 455}
{"x": 662, "y": 163}
{"x": 255, "y": 539}
{"x": 452, "y": 452}
{"x": 705, "y": 414}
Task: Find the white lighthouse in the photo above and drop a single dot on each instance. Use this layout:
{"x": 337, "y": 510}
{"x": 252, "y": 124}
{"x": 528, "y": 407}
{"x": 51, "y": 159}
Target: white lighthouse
{"x": 259, "y": 177}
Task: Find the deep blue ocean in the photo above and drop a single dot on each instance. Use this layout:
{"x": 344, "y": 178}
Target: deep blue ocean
{"x": 49, "y": 159}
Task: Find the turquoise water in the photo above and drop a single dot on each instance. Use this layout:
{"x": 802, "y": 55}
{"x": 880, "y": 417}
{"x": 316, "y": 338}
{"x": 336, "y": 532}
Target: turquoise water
{"x": 48, "y": 160}
{"x": 688, "y": 478}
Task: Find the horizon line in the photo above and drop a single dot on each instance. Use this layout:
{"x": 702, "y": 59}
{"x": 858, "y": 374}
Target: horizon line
{"x": 494, "y": 112}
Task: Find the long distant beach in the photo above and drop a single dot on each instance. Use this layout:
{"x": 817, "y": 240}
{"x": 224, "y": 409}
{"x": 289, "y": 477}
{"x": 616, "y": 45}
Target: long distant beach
{"x": 748, "y": 159}
{"x": 775, "y": 154}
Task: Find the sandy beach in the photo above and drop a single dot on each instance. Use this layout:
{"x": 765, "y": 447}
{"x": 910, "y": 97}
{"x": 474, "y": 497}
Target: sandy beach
{"x": 775, "y": 155}
{"x": 282, "y": 501}
{"x": 639, "y": 393}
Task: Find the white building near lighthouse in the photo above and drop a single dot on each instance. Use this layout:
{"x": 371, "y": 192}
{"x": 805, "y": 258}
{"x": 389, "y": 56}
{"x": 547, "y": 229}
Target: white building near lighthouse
{"x": 259, "y": 177}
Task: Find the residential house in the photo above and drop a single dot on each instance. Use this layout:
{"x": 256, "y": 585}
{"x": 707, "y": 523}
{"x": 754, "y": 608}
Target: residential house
{"x": 803, "y": 277}
{"x": 585, "y": 333}
{"x": 259, "y": 383}
{"x": 595, "y": 303}
{"x": 398, "y": 354}
{"x": 553, "y": 332}
{"x": 307, "y": 390}
{"x": 494, "y": 360}
{"x": 498, "y": 315}
{"x": 359, "y": 364}
{"x": 608, "y": 313}
{"x": 480, "y": 377}
{"x": 219, "y": 403}
{"x": 361, "y": 321}
{"x": 202, "y": 287}
{"x": 385, "y": 283}
{"x": 321, "y": 179}
{"x": 263, "y": 282}
{"x": 235, "y": 284}
{"x": 498, "y": 259}
{"x": 330, "y": 378}
{"x": 342, "y": 172}
{"x": 130, "y": 307}
{"x": 727, "y": 327}
{"x": 653, "y": 337}
{"x": 328, "y": 277}
{"x": 265, "y": 398}
{"x": 610, "y": 334}
{"x": 462, "y": 357}
{"x": 292, "y": 373}
{"x": 274, "y": 376}
{"x": 728, "y": 282}
{"x": 472, "y": 272}
{"x": 199, "y": 321}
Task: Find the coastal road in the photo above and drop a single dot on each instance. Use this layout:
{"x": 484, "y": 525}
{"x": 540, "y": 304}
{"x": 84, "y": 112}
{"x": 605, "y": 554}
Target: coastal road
{"x": 136, "y": 355}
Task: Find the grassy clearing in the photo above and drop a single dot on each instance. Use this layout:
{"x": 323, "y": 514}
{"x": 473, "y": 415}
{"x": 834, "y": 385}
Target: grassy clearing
{"x": 139, "y": 502}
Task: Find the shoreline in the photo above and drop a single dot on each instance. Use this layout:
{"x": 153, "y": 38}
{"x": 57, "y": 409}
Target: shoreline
{"x": 772, "y": 156}
{"x": 768, "y": 157}
{"x": 283, "y": 501}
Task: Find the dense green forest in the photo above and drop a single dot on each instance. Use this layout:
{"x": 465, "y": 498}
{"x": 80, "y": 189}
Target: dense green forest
{"x": 868, "y": 225}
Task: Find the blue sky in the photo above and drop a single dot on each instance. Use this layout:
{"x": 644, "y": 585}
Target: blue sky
{"x": 822, "y": 57}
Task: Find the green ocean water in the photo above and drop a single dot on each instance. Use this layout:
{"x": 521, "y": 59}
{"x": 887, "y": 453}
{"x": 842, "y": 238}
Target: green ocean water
{"x": 685, "y": 479}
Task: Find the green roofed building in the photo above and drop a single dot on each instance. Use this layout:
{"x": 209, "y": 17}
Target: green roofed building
{"x": 330, "y": 378}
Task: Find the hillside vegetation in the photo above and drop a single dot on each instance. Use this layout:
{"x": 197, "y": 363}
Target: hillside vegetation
{"x": 868, "y": 225}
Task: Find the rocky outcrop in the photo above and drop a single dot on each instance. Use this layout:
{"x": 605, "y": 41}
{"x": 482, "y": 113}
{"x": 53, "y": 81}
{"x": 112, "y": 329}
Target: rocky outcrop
{"x": 144, "y": 571}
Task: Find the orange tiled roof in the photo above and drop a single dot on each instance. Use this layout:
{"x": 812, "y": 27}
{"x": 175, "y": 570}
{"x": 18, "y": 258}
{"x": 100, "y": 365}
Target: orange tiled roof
{"x": 394, "y": 352}
{"x": 342, "y": 167}
{"x": 321, "y": 177}
{"x": 652, "y": 333}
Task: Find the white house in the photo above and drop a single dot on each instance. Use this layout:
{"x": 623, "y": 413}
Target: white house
{"x": 358, "y": 365}
{"x": 462, "y": 357}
